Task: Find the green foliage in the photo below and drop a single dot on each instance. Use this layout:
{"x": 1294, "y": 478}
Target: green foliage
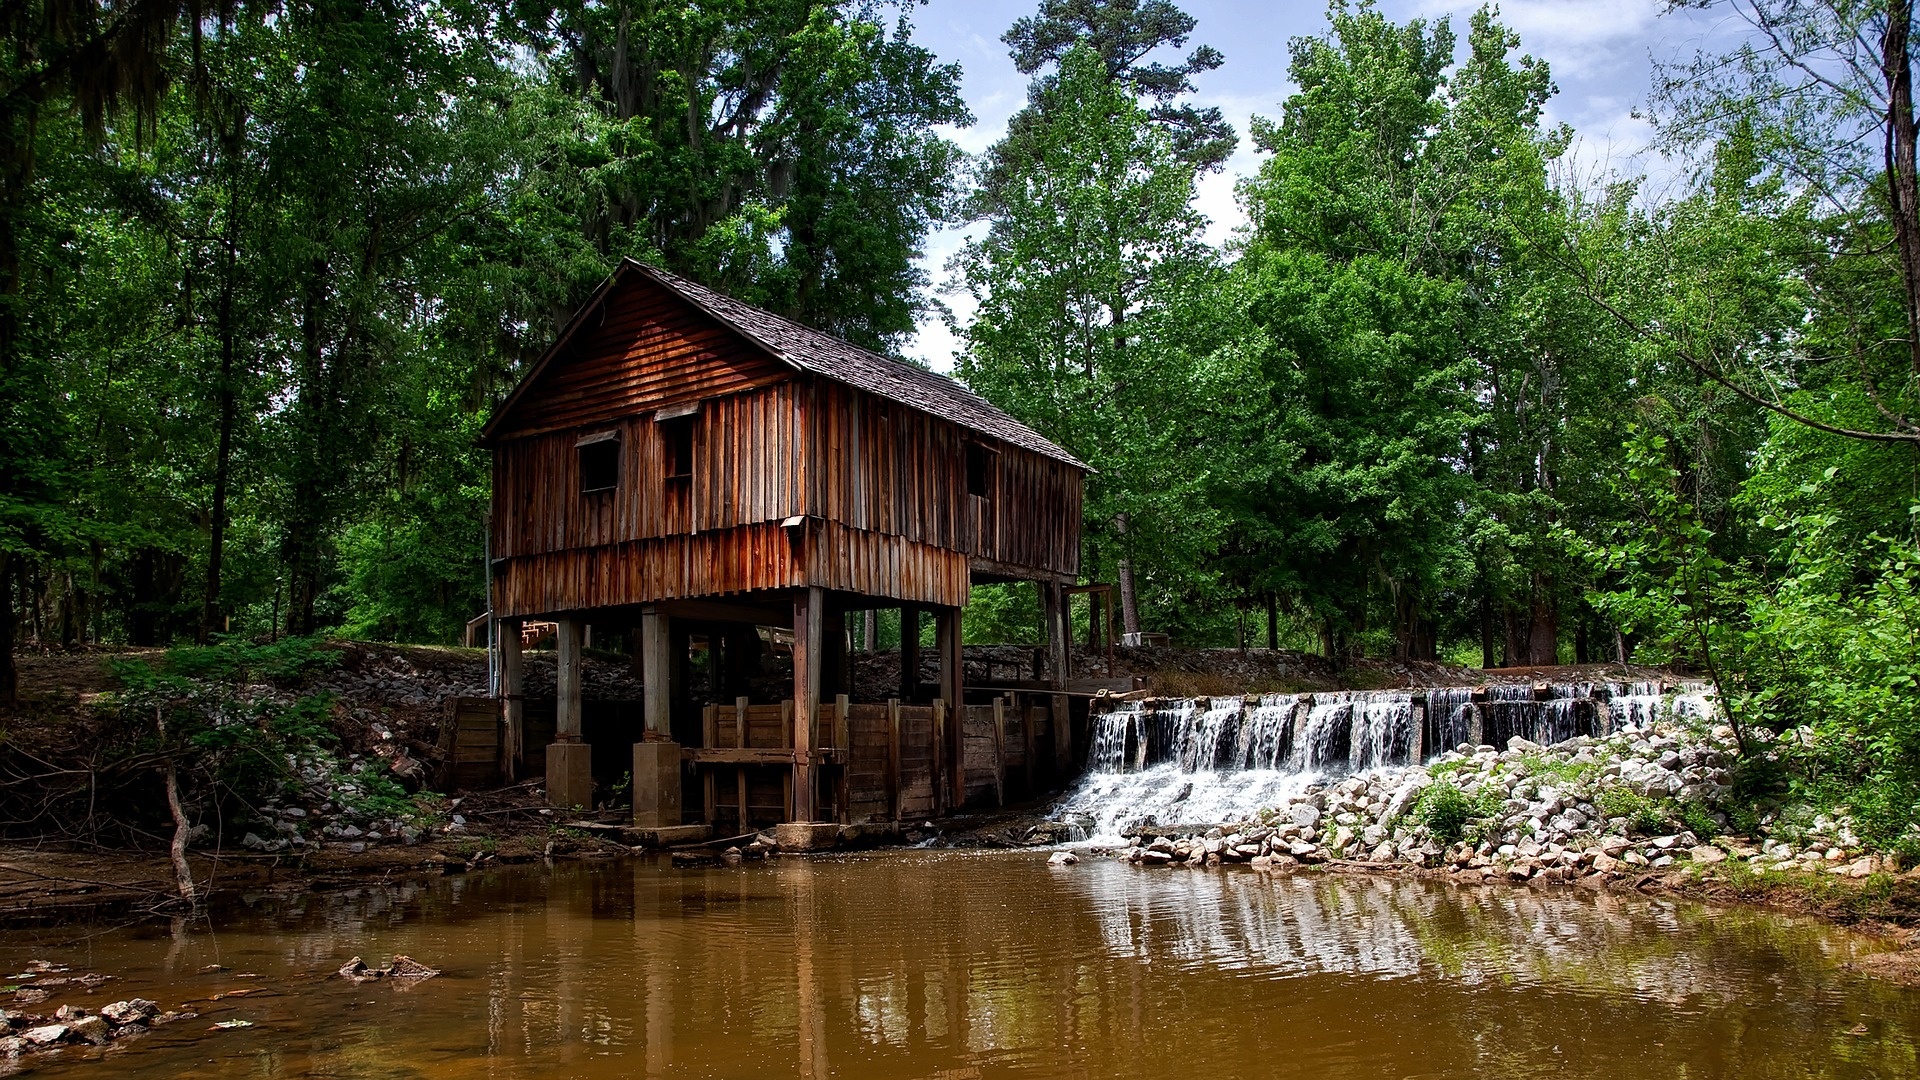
{"x": 1561, "y": 770}
{"x": 1643, "y": 814}
{"x": 1447, "y": 811}
{"x": 1699, "y": 821}
{"x": 286, "y": 660}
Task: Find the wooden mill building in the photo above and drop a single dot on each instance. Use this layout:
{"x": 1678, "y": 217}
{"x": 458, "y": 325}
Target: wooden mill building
{"x": 699, "y": 474}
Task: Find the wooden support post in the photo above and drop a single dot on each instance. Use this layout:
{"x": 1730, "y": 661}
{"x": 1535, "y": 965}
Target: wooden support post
{"x": 942, "y": 769}
{"x": 1028, "y": 715}
{"x": 893, "y": 759}
{"x": 569, "y": 760}
{"x": 566, "y": 680}
{"x": 842, "y": 739}
{"x": 511, "y": 691}
{"x": 1000, "y": 751}
{"x": 786, "y": 739}
{"x": 947, "y": 642}
{"x": 910, "y": 653}
{"x": 656, "y": 672}
{"x": 710, "y": 738}
{"x": 1053, "y": 617}
{"x": 740, "y": 774}
{"x": 946, "y": 629}
{"x": 809, "y": 608}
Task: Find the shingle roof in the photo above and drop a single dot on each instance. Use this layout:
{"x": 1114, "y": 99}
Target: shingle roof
{"x": 812, "y": 351}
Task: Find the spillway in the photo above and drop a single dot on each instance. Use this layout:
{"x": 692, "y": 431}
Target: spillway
{"x": 1205, "y": 760}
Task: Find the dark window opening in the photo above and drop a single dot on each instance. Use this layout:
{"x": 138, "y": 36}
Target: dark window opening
{"x": 980, "y": 461}
{"x": 676, "y": 440}
{"x": 599, "y": 465}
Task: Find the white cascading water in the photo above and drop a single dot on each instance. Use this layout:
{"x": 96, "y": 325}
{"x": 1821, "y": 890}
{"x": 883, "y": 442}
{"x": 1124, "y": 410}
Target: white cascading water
{"x": 1200, "y": 761}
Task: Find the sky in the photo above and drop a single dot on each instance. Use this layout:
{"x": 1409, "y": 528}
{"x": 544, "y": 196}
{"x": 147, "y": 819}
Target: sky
{"x": 1601, "y": 53}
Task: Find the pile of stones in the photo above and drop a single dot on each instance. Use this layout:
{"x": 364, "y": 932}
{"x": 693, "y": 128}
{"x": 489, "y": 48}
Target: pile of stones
{"x": 23, "y": 1032}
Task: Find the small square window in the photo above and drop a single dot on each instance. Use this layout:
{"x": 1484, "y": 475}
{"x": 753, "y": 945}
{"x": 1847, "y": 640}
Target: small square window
{"x": 676, "y": 447}
{"x": 599, "y": 463}
{"x": 980, "y": 462}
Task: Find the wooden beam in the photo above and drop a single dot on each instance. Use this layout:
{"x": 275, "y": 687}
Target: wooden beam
{"x": 730, "y": 755}
{"x": 656, "y": 672}
{"x": 511, "y": 690}
{"x": 566, "y": 681}
{"x": 740, "y": 774}
{"x": 988, "y": 571}
{"x": 710, "y": 732}
{"x": 947, "y": 643}
{"x": 719, "y": 611}
{"x": 809, "y": 609}
{"x": 910, "y": 653}
{"x": 893, "y": 759}
{"x": 999, "y": 752}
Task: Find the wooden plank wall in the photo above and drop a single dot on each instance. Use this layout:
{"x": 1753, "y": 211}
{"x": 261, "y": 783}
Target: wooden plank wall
{"x": 738, "y": 560}
{"x": 882, "y": 484}
{"x": 749, "y": 469}
{"x": 895, "y": 470}
{"x": 649, "y": 349}
{"x": 473, "y": 724}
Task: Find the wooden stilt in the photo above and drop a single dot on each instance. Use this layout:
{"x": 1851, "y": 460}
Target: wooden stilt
{"x": 808, "y": 610}
{"x": 512, "y": 692}
{"x": 893, "y": 759}
{"x": 1058, "y": 659}
{"x": 1000, "y": 751}
{"x": 567, "y": 682}
{"x": 710, "y": 737}
{"x": 656, "y": 673}
{"x": 910, "y": 653}
{"x": 740, "y": 774}
{"x": 947, "y": 642}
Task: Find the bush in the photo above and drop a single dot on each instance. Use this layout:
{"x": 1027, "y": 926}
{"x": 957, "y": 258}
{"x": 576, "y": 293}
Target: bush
{"x": 1643, "y": 814}
{"x": 1446, "y": 811}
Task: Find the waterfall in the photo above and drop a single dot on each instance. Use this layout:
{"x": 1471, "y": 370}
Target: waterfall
{"x": 1567, "y": 712}
{"x": 1449, "y": 718}
{"x": 1265, "y": 739}
{"x": 1382, "y": 731}
{"x": 1329, "y": 741}
{"x": 1212, "y": 760}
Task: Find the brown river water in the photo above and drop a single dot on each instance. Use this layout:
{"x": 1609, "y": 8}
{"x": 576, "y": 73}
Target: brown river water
{"x": 959, "y": 965}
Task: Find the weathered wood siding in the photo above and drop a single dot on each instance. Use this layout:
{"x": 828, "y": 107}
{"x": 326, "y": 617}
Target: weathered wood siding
{"x": 882, "y": 487}
{"x": 885, "y": 467}
{"x": 649, "y": 349}
{"x": 749, "y": 469}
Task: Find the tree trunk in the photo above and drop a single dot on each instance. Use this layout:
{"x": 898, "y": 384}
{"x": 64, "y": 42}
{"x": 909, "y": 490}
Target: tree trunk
{"x": 1129, "y": 600}
{"x": 1487, "y": 657}
{"x": 183, "y": 874}
{"x": 223, "y": 452}
{"x": 9, "y": 678}
{"x": 1543, "y": 630}
{"x": 1903, "y": 187}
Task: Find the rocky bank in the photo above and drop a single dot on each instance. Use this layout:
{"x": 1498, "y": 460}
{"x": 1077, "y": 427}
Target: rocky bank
{"x": 1630, "y": 809}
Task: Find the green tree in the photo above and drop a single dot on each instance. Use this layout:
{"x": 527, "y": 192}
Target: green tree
{"x": 1397, "y": 326}
{"x": 1091, "y": 284}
